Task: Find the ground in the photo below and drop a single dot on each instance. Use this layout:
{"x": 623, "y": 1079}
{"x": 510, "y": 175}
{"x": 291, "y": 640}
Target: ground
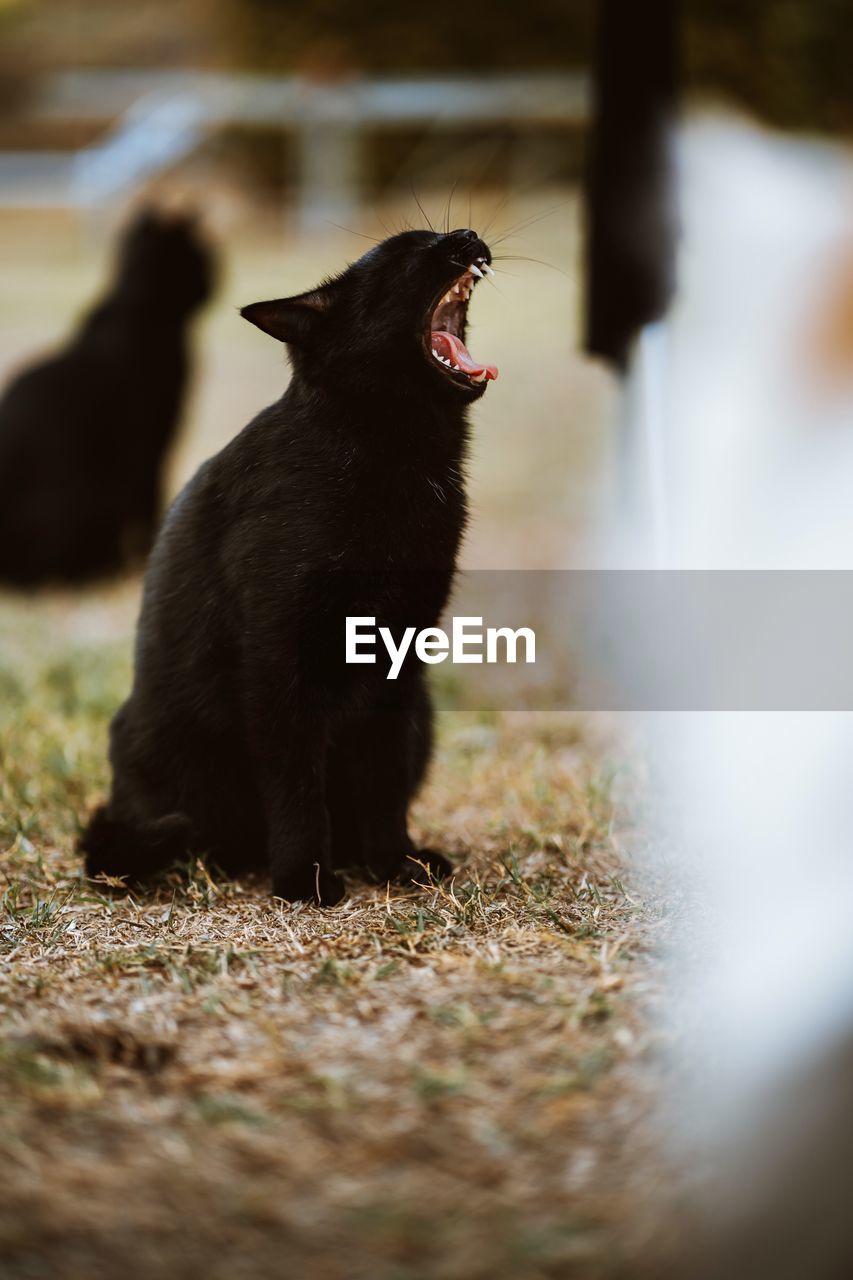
{"x": 442, "y": 1083}
{"x": 203, "y": 1080}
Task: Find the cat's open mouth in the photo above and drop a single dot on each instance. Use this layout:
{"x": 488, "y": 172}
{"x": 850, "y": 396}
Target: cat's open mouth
{"x": 447, "y": 329}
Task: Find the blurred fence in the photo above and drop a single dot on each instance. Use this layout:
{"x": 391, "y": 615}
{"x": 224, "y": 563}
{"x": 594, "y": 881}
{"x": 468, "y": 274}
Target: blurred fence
{"x": 152, "y": 120}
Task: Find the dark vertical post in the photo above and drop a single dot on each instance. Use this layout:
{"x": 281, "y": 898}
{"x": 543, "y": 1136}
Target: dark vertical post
{"x": 630, "y": 207}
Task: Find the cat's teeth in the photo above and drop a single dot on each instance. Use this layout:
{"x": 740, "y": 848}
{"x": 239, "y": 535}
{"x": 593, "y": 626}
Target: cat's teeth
{"x": 478, "y": 377}
{"x": 448, "y": 297}
{"x": 476, "y": 271}
{"x": 488, "y": 270}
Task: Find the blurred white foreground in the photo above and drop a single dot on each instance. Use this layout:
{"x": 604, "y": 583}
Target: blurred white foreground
{"x": 741, "y": 413}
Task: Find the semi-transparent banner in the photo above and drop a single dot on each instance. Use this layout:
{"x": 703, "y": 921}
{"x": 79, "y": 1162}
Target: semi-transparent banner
{"x": 610, "y": 640}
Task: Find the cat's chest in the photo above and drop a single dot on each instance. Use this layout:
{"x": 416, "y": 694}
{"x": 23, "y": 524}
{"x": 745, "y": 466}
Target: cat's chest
{"x": 408, "y": 518}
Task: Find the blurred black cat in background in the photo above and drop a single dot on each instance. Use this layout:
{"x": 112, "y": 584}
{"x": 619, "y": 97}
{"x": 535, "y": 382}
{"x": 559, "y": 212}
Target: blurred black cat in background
{"x": 84, "y": 434}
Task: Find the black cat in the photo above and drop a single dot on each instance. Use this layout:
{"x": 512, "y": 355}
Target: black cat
{"x": 83, "y": 435}
{"x": 246, "y": 736}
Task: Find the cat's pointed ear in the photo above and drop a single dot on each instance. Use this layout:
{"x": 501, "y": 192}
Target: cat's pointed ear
{"x": 291, "y": 320}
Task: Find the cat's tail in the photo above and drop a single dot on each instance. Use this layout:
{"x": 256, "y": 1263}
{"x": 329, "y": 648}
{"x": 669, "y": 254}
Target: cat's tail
{"x": 133, "y": 851}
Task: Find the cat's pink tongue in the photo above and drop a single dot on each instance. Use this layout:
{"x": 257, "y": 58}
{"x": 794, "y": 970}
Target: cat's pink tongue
{"x": 454, "y": 350}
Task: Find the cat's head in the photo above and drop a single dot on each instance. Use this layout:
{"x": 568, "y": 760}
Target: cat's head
{"x": 395, "y": 319}
{"x": 163, "y": 258}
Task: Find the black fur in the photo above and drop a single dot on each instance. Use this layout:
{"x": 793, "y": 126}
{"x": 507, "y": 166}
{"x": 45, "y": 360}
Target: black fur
{"x": 246, "y": 737}
{"x": 83, "y": 435}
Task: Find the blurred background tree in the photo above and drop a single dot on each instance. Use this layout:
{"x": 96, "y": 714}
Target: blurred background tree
{"x": 788, "y": 60}
{"x": 383, "y": 35}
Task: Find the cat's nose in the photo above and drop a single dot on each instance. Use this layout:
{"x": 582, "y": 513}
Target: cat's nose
{"x": 467, "y": 245}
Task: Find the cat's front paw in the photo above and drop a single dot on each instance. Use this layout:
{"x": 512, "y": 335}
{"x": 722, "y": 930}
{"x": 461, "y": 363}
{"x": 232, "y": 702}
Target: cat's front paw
{"x": 424, "y": 866}
{"x": 316, "y": 884}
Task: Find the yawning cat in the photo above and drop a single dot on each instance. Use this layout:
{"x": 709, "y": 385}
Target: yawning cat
{"x": 246, "y": 737}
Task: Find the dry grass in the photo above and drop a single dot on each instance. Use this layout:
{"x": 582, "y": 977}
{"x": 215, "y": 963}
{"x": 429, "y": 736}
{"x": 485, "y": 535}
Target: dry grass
{"x": 206, "y": 1081}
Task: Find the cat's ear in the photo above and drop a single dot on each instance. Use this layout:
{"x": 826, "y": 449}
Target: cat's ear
{"x": 291, "y": 320}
